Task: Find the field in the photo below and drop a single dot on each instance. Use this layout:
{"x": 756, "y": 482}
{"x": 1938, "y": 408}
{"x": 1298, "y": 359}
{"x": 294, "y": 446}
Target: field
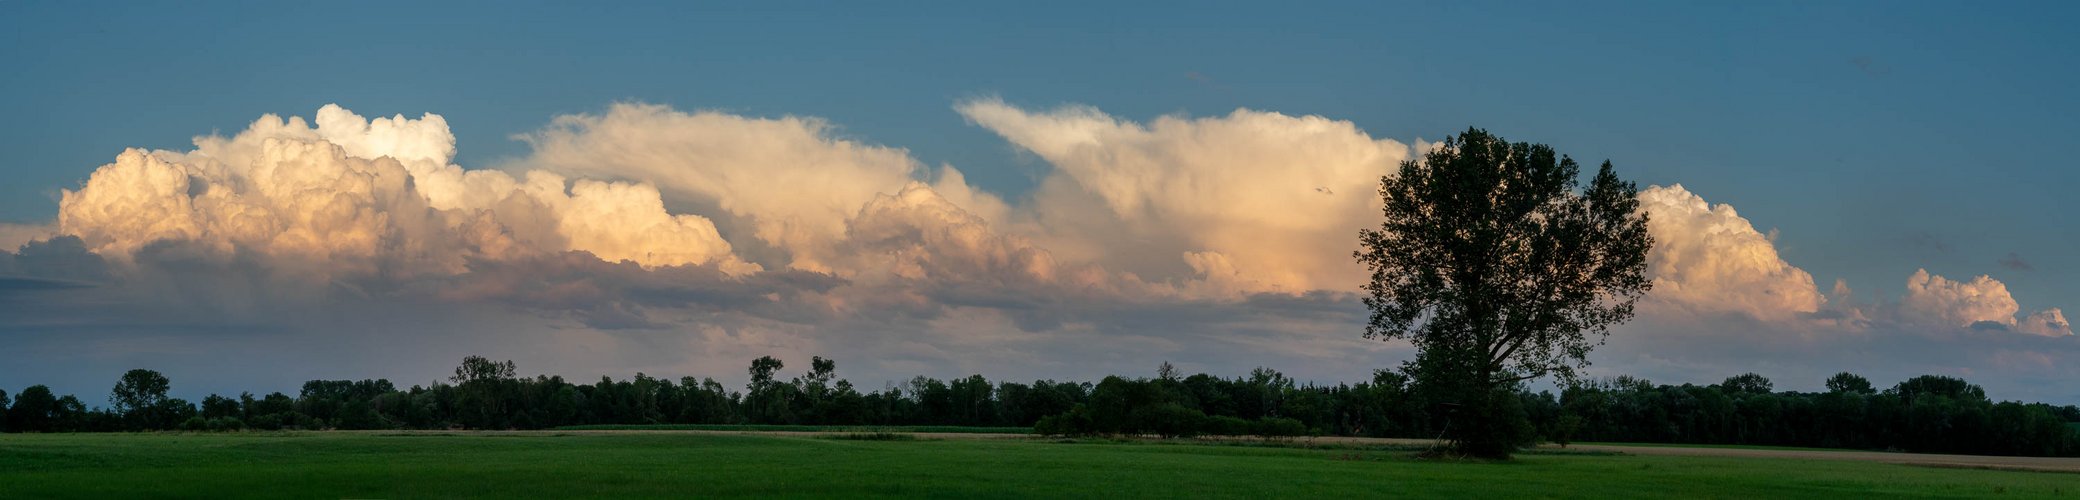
{"x": 677, "y": 464}
{"x": 937, "y": 429}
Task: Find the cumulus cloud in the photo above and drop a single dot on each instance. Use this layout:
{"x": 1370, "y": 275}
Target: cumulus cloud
{"x": 13, "y": 235}
{"x": 648, "y": 238}
{"x": 1261, "y": 200}
{"x": 1940, "y": 301}
{"x": 1937, "y": 301}
{"x": 2049, "y": 322}
{"x": 359, "y": 197}
{"x": 1707, "y": 257}
{"x": 917, "y": 234}
{"x": 789, "y": 181}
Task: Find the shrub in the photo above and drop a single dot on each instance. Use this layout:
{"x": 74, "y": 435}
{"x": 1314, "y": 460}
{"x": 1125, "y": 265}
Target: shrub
{"x": 1224, "y": 425}
{"x": 221, "y": 424}
{"x": 267, "y": 422}
{"x": 1280, "y": 427}
{"x": 1075, "y": 422}
{"x": 1169, "y": 420}
{"x": 1564, "y": 429}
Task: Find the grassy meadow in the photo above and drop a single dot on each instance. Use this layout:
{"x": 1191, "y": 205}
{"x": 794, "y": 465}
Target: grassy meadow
{"x": 670, "y": 464}
{"x": 935, "y": 429}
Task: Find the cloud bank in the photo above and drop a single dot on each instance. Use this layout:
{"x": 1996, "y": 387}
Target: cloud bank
{"x": 648, "y": 238}
{"x": 1255, "y": 201}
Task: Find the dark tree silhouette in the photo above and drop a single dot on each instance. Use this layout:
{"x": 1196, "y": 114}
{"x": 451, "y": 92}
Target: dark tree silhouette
{"x": 1748, "y": 383}
{"x": 140, "y": 397}
{"x": 1851, "y": 383}
{"x": 33, "y": 410}
{"x": 1498, "y": 271}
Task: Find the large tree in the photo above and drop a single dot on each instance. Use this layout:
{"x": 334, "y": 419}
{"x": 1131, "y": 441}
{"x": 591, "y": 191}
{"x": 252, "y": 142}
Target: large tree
{"x": 33, "y": 410}
{"x": 1500, "y": 267}
{"x": 140, "y": 397}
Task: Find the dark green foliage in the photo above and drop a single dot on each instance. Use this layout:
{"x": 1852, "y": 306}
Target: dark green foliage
{"x": 140, "y": 397}
{"x": 35, "y": 410}
{"x": 1074, "y": 422}
{"x": 1500, "y": 267}
{"x": 1169, "y": 420}
{"x": 1927, "y": 414}
{"x": 1224, "y": 425}
{"x": 1565, "y": 427}
{"x": 215, "y": 406}
{"x": 222, "y": 424}
{"x": 1849, "y": 383}
{"x": 1747, "y": 383}
{"x": 1278, "y": 427}
{"x": 1931, "y": 414}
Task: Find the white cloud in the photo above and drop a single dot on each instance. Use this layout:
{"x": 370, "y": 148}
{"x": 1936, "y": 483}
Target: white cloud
{"x": 356, "y": 197}
{"x": 2049, "y": 322}
{"x": 1147, "y": 242}
{"x": 789, "y": 180}
{"x": 1708, "y": 258}
{"x": 1940, "y": 302}
{"x": 1270, "y": 201}
{"x": 916, "y": 234}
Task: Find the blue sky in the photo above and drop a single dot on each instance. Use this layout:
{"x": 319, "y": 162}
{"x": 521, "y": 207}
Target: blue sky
{"x": 1875, "y": 138}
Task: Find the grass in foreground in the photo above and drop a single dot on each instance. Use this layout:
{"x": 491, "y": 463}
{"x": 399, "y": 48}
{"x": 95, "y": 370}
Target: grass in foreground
{"x": 945, "y": 429}
{"x": 534, "y": 465}
{"x": 1720, "y": 446}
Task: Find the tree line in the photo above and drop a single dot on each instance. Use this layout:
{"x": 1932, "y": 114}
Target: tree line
{"x": 1931, "y": 413}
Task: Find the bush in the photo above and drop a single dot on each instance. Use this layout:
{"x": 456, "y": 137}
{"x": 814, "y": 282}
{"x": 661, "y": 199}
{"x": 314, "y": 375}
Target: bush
{"x": 1280, "y": 427}
{"x": 195, "y": 424}
{"x": 1169, "y": 420}
{"x": 1075, "y": 422}
{"x": 222, "y": 424}
{"x": 267, "y": 422}
{"x": 1564, "y": 429}
{"x": 1224, "y": 425}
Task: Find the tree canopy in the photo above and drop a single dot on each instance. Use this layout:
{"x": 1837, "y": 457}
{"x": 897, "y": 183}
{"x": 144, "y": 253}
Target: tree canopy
{"x": 1500, "y": 267}
{"x": 1923, "y": 414}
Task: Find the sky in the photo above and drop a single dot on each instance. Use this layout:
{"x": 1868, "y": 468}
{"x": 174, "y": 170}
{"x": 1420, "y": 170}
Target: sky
{"x": 246, "y": 195}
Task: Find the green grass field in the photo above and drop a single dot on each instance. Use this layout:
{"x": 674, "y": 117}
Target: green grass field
{"x": 947, "y": 429}
{"x": 657, "y": 464}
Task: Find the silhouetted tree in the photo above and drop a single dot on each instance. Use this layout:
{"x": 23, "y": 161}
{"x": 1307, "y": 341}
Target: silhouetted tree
{"x": 1747, "y": 383}
{"x": 1846, "y": 382}
{"x": 33, "y": 410}
{"x": 483, "y": 388}
{"x": 766, "y": 399}
{"x": 140, "y": 397}
{"x": 1491, "y": 263}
